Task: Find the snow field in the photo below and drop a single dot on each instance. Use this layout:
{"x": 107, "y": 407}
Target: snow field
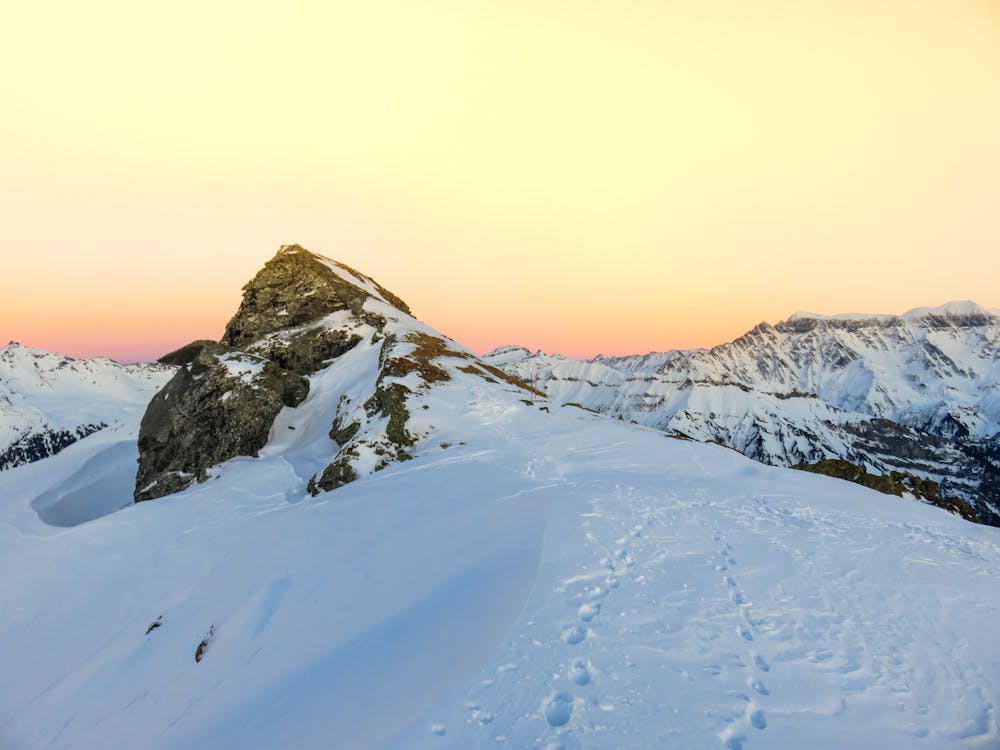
{"x": 547, "y": 580}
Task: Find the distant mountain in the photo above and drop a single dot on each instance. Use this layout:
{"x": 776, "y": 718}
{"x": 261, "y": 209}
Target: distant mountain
{"x": 917, "y": 393}
{"x": 49, "y": 401}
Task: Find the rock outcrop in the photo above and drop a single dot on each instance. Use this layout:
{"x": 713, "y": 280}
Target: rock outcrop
{"x": 217, "y": 407}
{"x": 301, "y": 316}
{"x": 223, "y": 400}
{"x": 295, "y": 288}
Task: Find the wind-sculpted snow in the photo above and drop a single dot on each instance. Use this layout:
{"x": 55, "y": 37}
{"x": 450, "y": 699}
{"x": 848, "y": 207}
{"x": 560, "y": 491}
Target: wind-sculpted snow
{"x": 926, "y": 383}
{"x": 536, "y": 577}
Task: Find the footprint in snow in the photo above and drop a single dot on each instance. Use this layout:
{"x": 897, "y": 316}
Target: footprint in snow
{"x": 762, "y": 664}
{"x": 558, "y": 709}
{"x": 589, "y": 611}
{"x": 758, "y": 720}
{"x": 581, "y": 673}
{"x": 574, "y": 635}
{"x": 759, "y": 687}
{"x": 479, "y": 715}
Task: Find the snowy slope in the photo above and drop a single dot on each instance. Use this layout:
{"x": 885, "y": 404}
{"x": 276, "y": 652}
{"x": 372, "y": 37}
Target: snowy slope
{"x": 548, "y": 579}
{"x": 918, "y": 393}
{"x": 48, "y": 401}
{"x": 487, "y": 569}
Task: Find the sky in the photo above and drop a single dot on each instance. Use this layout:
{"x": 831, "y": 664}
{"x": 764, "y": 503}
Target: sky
{"x": 580, "y": 177}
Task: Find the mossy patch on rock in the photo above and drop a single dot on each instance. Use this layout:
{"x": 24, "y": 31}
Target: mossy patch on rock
{"x": 390, "y": 401}
{"x": 426, "y": 349}
{"x": 492, "y": 374}
{"x": 337, "y": 474}
{"x": 342, "y": 435}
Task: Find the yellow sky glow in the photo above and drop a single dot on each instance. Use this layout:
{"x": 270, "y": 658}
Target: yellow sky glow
{"x": 582, "y": 177}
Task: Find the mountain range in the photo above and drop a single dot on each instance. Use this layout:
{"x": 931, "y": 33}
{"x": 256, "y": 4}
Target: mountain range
{"x": 337, "y": 527}
{"x": 917, "y": 393}
{"x": 48, "y": 401}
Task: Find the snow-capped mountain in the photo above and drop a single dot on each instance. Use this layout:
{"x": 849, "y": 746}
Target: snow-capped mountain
{"x": 48, "y": 401}
{"x": 917, "y": 393}
{"x": 355, "y": 533}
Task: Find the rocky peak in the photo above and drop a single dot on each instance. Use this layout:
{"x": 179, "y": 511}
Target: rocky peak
{"x": 302, "y": 315}
{"x": 297, "y": 287}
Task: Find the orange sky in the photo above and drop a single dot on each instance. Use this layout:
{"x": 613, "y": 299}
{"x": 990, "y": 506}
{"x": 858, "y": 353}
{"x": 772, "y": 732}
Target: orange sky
{"x": 578, "y": 176}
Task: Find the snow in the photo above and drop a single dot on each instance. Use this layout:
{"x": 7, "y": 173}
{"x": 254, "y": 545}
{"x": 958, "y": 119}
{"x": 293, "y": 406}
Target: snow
{"x": 560, "y": 580}
{"x": 962, "y": 307}
{"x": 41, "y": 391}
{"x": 955, "y": 308}
{"x": 803, "y": 315}
{"x": 536, "y": 576}
{"x": 788, "y": 394}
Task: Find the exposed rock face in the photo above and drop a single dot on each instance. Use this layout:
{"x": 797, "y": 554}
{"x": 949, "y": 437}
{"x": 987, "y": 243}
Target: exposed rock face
{"x": 295, "y": 288}
{"x": 307, "y": 352}
{"x": 221, "y": 406}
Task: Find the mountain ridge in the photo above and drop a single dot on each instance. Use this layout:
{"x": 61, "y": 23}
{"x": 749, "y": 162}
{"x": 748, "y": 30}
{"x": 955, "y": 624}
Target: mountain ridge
{"x": 48, "y": 401}
{"x": 916, "y": 393}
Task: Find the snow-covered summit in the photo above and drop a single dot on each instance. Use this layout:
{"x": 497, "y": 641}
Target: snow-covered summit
{"x": 957, "y": 309}
{"x": 962, "y": 311}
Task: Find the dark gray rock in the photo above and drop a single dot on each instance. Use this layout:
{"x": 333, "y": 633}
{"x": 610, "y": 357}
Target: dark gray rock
{"x": 207, "y": 413}
{"x": 306, "y": 352}
{"x": 189, "y": 352}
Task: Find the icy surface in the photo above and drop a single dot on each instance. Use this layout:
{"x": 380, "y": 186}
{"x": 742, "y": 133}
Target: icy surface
{"x": 545, "y": 580}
